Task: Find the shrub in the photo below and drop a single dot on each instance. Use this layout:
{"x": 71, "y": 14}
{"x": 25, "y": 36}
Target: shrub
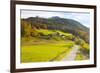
{"x": 85, "y": 48}
{"x": 34, "y": 33}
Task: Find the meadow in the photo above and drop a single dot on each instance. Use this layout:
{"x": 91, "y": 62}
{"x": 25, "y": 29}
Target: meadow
{"x": 45, "y": 52}
{"x": 35, "y": 49}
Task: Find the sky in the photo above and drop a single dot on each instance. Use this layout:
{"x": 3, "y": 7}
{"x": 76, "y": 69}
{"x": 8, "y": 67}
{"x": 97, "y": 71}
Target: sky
{"x": 83, "y": 18}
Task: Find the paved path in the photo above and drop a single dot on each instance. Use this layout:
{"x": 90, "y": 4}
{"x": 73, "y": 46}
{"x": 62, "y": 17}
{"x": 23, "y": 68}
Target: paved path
{"x": 72, "y": 54}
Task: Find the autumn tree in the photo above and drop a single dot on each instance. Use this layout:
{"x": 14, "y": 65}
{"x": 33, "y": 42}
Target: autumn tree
{"x": 25, "y": 29}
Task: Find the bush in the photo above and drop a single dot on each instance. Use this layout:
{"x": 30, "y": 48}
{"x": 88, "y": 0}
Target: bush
{"x": 85, "y": 48}
{"x": 77, "y": 41}
{"x": 34, "y": 33}
{"x": 79, "y": 57}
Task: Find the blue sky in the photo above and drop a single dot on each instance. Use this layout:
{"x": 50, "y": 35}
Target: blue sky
{"x": 83, "y": 18}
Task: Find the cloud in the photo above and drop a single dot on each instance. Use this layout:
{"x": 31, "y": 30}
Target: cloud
{"x": 45, "y": 14}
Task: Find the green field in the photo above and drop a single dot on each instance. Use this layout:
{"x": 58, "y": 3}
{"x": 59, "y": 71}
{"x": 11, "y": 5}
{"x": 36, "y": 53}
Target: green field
{"x": 45, "y": 52}
{"x": 36, "y": 49}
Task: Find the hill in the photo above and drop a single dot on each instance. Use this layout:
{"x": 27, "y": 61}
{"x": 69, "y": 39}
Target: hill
{"x": 57, "y": 23}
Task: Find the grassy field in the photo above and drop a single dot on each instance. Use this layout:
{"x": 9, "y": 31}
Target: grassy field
{"x": 45, "y": 51}
{"x": 46, "y": 32}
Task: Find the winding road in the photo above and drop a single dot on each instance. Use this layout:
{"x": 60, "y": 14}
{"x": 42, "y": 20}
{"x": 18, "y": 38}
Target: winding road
{"x": 72, "y": 54}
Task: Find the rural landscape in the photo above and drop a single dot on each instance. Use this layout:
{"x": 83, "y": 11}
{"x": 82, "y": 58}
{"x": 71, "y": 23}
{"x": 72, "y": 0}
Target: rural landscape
{"x": 53, "y": 39}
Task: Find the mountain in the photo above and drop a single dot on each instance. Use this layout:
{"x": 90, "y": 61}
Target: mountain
{"x": 57, "y": 23}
